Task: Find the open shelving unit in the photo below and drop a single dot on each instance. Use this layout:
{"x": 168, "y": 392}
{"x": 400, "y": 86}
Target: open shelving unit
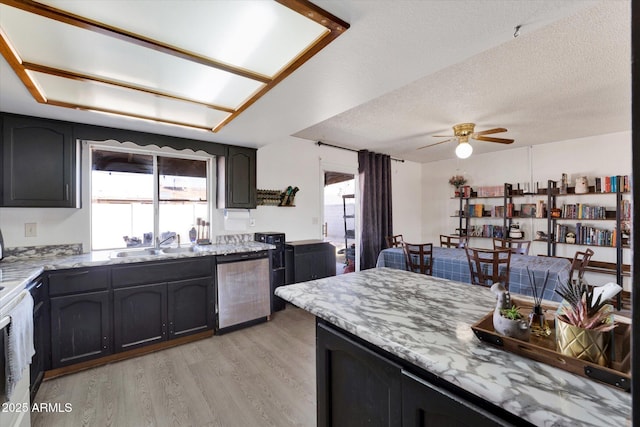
{"x": 349, "y": 216}
{"x": 616, "y": 214}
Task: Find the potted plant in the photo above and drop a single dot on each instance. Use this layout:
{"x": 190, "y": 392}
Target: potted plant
{"x": 457, "y": 181}
{"x": 507, "y": 319}
{"x": 582, "y": 323}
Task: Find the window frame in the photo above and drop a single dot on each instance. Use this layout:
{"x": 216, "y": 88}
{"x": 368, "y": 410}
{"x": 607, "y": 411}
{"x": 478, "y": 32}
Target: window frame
{"x": 155, "y": 152}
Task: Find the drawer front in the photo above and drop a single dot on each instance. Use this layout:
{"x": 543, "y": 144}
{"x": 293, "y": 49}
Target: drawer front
{"x": 78, "y": 280}
{"x": 161, "y": 271}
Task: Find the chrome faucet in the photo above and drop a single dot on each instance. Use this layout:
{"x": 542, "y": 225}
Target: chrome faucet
{"x": 172, "y": 237}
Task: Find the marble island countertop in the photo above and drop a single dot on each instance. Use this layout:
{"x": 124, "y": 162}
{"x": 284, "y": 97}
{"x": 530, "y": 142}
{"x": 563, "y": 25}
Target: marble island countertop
{"x": 427, "y": 322}
{"x": 18, "y": 272}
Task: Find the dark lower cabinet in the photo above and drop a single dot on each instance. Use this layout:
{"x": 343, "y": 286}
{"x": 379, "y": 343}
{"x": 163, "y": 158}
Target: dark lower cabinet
{"x": 98, "y": 311}
{"x": 355, "y": 386}
{"x": 358, "y": 385}
{"x": 80, "y": 328}
{"x": 139, "y": 316}
{"x": 425, "y": 404}
{"x": 309, "y": 260}
{"x": 40, "y": 336}
{"x": 190, "y": 306}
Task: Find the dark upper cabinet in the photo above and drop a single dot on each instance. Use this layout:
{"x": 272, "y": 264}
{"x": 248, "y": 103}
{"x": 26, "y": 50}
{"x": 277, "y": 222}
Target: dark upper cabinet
{"x": 39, "y": 166}
{"x": 237, "y": 178}
{"x": 80, "y": 328}
{"x": 355, "y": 386}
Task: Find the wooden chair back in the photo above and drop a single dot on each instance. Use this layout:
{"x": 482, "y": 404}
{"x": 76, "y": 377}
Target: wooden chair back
{"x": 447, "y": 241}
{"x": 580, "y": 261}
{"x": 394, "y": 241}
{"x": 489, "y": 266}
{"x": 419, "y": 257}
{"x": 519, "y": 247}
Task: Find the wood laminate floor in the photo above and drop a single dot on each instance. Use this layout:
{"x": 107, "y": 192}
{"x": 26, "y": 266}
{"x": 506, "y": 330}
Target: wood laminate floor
{"x": 263, "y": 375}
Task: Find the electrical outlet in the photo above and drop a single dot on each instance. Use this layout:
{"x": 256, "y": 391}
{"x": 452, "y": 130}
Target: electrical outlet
{"x": 30, "y": 229}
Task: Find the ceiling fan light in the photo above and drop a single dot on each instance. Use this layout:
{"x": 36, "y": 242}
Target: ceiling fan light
{"x": 464, "y": 150}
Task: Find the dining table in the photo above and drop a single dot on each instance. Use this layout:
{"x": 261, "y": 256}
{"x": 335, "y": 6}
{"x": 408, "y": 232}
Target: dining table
{"x": 452, "y": 264}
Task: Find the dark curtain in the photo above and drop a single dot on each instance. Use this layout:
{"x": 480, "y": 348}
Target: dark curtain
{"x": 375, "y": 205}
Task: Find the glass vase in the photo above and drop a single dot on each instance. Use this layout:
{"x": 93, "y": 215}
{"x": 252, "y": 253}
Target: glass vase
{"x": 538, "y": 323}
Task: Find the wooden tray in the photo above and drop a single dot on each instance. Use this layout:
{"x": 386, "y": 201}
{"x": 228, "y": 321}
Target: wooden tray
{"x": 544, "y": 349}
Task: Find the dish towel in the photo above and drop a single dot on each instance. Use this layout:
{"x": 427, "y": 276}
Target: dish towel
{"x": 19, "y": 341}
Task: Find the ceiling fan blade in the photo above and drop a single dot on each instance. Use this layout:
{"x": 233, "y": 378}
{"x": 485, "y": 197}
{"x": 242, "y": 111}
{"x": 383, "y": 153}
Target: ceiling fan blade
{"x": 443, "y": 136}
{"x": 491, "y": 139}
{"x": 489, "y": 131}
{"x": 437, "y": 143}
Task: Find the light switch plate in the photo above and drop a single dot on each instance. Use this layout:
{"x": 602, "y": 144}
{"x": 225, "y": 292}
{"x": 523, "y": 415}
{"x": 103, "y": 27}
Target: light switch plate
{"x": 30, "y": 229}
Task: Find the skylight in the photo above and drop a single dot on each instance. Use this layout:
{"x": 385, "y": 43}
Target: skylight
{"x": 190, "y": 63}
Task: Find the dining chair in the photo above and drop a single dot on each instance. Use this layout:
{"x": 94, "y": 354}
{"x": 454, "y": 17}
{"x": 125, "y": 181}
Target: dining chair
{"x": 580, "y": 261}
{"x": 449, "y": 241}
{"x": 394, "y": 241}
{"x": 419, "y": 257}
{"x": 518, "y": 247}
{"x": 489, "y": 266}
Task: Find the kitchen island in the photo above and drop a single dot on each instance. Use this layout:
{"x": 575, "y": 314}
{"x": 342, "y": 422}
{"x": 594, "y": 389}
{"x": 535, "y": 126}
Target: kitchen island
{"x": 422, "y": 324}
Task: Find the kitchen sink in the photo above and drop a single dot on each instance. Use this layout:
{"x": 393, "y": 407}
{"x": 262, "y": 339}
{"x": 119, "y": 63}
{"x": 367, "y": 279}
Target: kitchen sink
{"x": 153, "y": 252}
{"x": 138, "y": 253}
{"x": 180, "y": 250}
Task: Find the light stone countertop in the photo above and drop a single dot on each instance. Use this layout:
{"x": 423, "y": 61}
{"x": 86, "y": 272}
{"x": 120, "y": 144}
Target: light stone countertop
{"x": 427, "y": 321}
{"x": 17, "y": 273}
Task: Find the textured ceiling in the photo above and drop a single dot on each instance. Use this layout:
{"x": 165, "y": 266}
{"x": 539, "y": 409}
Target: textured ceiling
{"x": 408, "y": 69}
{"x": 567, "y": 80}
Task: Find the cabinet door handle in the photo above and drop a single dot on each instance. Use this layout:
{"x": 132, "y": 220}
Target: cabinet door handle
{"x": 79, "y": 273}
{"x": 66, "y": 192}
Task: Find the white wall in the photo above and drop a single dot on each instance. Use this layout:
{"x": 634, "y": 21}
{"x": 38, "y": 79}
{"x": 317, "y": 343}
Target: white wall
{"x": 592, "y": 156}
{"x": 294, "y": 162}
{"x": 298, "y": 162}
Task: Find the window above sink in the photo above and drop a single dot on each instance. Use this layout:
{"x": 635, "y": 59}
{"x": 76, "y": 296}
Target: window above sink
{"x": 140, "y": 197}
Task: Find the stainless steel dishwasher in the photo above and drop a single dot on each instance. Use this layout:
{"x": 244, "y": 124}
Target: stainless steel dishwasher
{"x": 244, "y": 284}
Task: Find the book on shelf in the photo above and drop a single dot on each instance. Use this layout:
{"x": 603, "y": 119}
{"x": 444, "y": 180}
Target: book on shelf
{"x": 509, "y": 210}
{"x": 490, "y": 191}
{"x": 528, "y": 210}
{"x": 486, "y": 230}
{"x": 584, "y": 211}
{"x": 475, "y": 210}
{"x": 541, "y": 207}
{"x": 609, "y": 184}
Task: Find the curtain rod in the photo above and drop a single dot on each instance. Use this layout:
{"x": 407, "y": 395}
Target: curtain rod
{"x": 319, "y": 143}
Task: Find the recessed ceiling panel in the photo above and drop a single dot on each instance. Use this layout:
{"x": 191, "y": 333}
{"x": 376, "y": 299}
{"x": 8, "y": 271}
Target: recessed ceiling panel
{"x": 201, "y": 55}
{"x": 258, "y": 35}
{"x": 106, "y": 98}
{"x": 86, "y": 52}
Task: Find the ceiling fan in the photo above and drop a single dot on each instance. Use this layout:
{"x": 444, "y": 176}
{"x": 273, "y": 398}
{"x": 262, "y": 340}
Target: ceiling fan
{"x": 463, "y": 131}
